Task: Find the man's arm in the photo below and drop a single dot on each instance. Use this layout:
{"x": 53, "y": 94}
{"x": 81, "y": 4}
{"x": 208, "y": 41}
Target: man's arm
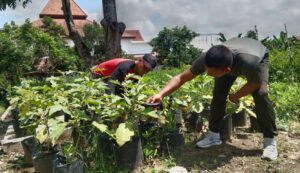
{"x": 245, "y": 90}
{"x": 172, "y": 86}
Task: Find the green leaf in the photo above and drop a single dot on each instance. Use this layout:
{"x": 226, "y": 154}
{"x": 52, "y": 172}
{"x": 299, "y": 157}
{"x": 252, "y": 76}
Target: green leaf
{"x": 93, "y": 102}
{"x": 198, "y": 107}
{"x": 56, "y": 129}
{"x": 101, "y": 127}
{"x": 123, "y": 134}
{"x": 142, "y": 97}
{"x": 151, "y": 113}
{"x": 180, "y": 102}
{"x": 127, "y": 100}
{"x": 83, "y": 116}
{"x": 66, "y": 110}
{"x": 41, "y": 134}
{"x": 54, "y": 109}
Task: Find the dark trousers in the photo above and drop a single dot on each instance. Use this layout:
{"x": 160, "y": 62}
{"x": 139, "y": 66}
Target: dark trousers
{"x": 263, "y": 105}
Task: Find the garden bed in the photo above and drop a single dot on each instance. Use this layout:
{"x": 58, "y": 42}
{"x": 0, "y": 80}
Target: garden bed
{"x": 241, "y": 154}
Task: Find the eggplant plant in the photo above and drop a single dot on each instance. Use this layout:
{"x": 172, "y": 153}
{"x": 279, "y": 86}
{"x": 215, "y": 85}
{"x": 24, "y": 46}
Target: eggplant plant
{"x": 246, "y": 102}
{"x": 40, "y": 102}
{"x": 121, "y": 114}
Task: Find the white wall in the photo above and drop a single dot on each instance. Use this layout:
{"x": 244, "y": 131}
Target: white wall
{"x": 70, "y": 42}
{"x": 205, "y": 41}
{"x": 135, "y": 47}
{"x": 127, "y": 45}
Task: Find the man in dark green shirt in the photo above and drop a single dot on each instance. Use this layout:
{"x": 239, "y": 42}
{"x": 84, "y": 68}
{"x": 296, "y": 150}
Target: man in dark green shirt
{"x": 236, "y": 57}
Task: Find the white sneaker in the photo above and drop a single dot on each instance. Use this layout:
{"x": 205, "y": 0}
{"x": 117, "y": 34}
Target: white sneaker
{"x": 210, "y": 139}
{"x": 270, "y": 149}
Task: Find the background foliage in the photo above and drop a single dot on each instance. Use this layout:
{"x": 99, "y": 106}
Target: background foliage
{"x": 174, "y": 48}
{"x": 22, "y": 48}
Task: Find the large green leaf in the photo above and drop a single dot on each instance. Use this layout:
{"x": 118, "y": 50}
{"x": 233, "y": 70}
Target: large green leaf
{"x": 123, "y": 134}
{"x": 54, "y": 109}
{"x": 56, "y": 129}
{"x": 151, "y": 113}
{"x": 41, "y": 134}
{"x": 198, "y": 107}
{"x": 127, "y": 100}
{"x": 101, "y": 127}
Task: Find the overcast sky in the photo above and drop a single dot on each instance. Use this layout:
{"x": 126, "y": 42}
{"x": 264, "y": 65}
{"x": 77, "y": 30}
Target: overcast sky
{"x": 203, "y": 16}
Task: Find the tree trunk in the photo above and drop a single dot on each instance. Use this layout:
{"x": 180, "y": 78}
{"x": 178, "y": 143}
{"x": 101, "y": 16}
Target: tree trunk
{"x": 80, "y": 46}
{"x": 113, "y": 30}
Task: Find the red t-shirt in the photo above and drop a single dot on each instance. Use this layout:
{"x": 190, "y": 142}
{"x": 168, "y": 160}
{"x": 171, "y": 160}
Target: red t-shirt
{"x": 116, "y": 69}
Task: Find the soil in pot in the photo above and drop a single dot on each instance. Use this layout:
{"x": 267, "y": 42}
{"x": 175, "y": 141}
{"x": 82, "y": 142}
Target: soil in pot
{"x": 105, "y": 145}
{"x": 177, "y": 118}
{"x": 173, "y": 142}
{"x": 43, "y": 161}
{"x": 194, "y": 122}
{"x": 206, "y": 111}
{"x": 239, "y": 119}
{"x": 226, "y": 128}
{"x": 130, "y": 155}
{"x": 30, "y": 146}
{"x": 60, "y": 165}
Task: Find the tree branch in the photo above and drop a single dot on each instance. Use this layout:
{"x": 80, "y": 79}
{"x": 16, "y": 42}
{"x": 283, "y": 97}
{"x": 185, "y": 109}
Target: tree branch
{"x": 81, "y": 47}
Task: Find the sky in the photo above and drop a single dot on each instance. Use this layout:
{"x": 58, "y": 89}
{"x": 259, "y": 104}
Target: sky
{"x": 230, "y": 17}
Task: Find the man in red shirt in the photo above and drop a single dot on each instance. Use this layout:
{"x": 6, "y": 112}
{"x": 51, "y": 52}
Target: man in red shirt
{"x": 118, "y": 68}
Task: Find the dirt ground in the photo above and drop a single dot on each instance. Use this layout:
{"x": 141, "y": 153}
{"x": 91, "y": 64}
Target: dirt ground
{"x": 241, "y": 154}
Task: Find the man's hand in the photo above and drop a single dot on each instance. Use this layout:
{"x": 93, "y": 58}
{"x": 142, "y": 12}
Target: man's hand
{"x": 234, "y": 99}
{"x": 155, "y": 99}
{"x": 172, "y": 86}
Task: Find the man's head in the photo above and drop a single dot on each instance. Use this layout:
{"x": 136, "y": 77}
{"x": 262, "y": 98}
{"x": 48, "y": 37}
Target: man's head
{"x": 145, "y": 64}
{"x": 218, "y": 61}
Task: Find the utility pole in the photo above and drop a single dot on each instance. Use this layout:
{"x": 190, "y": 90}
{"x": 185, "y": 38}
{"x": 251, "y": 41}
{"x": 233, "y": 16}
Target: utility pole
{"x": 286, "y": 36}
{"x": 256, "y": 32}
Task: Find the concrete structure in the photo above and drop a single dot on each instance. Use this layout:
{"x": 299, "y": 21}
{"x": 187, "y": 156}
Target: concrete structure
{"x": 206, "y": 41}
{"x": 132, "y": 41}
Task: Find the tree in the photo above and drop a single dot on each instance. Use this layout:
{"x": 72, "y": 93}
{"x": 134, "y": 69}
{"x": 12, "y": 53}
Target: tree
{"x": 80, "y": 46}
{"x": 94, "y": 39}
{"x": 23, "y": 47}
{"x": 113, "y": 30}
{"x": 52, "y": 27}
{"x": 12, "y": 4}
{"x": 173, "y": 46}
{"x": 222, "y": 37}
{"x": 251, "y": 34}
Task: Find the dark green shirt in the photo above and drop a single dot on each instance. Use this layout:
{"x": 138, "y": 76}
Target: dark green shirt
{"x": 247, "y": 56}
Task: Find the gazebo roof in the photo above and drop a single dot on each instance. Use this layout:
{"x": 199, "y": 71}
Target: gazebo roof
{"x": 54, "y": 9}
{"x": 133, "y": 34}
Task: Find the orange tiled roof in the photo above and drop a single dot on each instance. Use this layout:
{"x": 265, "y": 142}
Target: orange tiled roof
{"x": 54, "y": 9}
{"x": 134, "y": 34}
{"x": 298, "y": 37}
{"x": 78, "y": 24}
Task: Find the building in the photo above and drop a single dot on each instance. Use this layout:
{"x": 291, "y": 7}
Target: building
{"x": 132, "y": 41}
{"x": 206, "y": 41}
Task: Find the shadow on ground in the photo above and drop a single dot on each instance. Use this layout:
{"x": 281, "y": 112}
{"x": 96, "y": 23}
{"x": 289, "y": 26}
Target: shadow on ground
{"x": 214, "y": 157}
